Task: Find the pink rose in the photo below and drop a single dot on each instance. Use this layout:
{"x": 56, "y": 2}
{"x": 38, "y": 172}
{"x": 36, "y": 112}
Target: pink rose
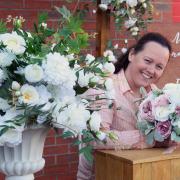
{"x": 161, "y": 100}
{"x": 177, "y": 110}
{"x": 146, "y": 110}
{"x": 164, "y": 128}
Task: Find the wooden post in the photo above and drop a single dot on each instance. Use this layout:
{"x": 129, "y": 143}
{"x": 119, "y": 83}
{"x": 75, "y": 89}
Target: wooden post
{"x": 103, "y": 29}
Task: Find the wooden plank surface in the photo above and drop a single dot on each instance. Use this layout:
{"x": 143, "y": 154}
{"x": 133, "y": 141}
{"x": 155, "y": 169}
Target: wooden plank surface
{"x": 141, "y": 156}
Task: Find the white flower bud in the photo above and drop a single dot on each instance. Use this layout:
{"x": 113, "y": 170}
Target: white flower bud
{"x": 132, "y": 11}
{"x": 144, "y": 5}
{"x": 17, "y": 93}
{"x": 101, "y": 135}
{"x": 134, "y": 33}
{"x": 103, "y": 7}
{"x": 15, "y": 85}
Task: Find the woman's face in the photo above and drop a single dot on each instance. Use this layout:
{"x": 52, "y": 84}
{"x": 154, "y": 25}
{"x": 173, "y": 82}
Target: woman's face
{"x": 147, "y": 66}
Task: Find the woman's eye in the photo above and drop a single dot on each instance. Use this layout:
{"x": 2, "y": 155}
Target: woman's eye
{"x": 147, "y": 61}
{"x": 159, "y": 67}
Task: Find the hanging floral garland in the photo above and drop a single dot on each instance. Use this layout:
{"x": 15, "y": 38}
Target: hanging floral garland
{"x": 132, "y": 14}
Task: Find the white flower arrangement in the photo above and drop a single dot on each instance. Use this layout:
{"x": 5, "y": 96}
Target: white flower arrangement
{"x": 132, "y": 14}
{"x": 43, "y": 75}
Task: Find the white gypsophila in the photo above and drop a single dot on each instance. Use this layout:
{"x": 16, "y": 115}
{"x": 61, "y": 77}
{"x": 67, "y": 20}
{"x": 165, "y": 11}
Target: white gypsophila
{"x": 57, "y": 70}
{"x": 109, "y": 67}
{"x": 15, "y": 85}
{"x": 173, "y": 92}
{"x": 130, "y": 22}
{"x": 95, "y": 121}
{"x": 132, "y": 3}
{"x": 6, "y": 58}
{"x": 29, "y": 95}
{"x": 89, "y": 58}
{"x": 73, "y": 118}
{"x": 33, "y": 73}
{"x": 13, "y": 42}
{"x": 162, "y": 113}
{"x": 84, "y": 78}
{"x": 44, "y": 94}
{"x": 4, "y": 104}
{"x": 103, "y": 7}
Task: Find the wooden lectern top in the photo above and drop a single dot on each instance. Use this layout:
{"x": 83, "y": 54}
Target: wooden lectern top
{"x": 140, "y": 156}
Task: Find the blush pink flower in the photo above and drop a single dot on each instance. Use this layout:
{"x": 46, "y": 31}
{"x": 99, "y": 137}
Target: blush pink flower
{"x": 164, "y": 128}
{"x": 177, "y": 110}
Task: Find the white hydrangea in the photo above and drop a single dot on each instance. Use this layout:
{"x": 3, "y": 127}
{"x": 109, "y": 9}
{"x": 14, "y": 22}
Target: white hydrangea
{"x": 73, "y": 118}
{"x": 6, "y": 58}
{"x": 95, "y": 121}
{"x": 33, "y": 73}
{"x": 29, "y": 95}
{"x": 57, "y": 70}
{"x": 13, "y": 42}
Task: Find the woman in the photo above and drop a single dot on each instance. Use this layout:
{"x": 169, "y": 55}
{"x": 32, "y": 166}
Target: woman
{"x": 141, "y": 66}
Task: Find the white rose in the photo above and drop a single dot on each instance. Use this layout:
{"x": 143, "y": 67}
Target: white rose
{"x": 29, "y": 94}
{"x": 13, "y": 42}
{"x": 95, "y": 121}
{"x": 132, "y": 3}
{"x": 109, "y": 84}
{"x": 33, "y": 73}
{"x": 162, "y": 113}
{"x": 89, "y": 58}
{"x": 83, "y": 79}
{"x": 109, "y": 68}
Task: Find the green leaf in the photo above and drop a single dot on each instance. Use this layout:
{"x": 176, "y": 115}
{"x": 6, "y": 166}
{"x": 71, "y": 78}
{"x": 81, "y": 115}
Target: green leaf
{"x": 67, "y": 134}
{"x": 87, "y": 151}
{"x": 42, "y": 17}
{"x": 177, "y": 130}
{"x": 64, "y": 12}
{"x": 150, "y": 138}
{"x": 158, "y": 137}
{"x": 175, "y": 137}
{"x": 3, "y": 28}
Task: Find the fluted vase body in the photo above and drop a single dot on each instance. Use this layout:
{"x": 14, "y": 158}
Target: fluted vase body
{"x": 22, "y": 161}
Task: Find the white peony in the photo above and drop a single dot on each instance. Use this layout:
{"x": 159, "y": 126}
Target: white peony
{"x": 109, "y": 68}
{"x": 132, "y": 3}
{"x": 33, "y": 73}
{"x": 57, "y": 70}
{"x": 13, "y": 42}
{"x": 6, "y": 58}
{"x": 44, "y": 95}
{"x": 29, "y": 95}
{"x": 95, "y": 121}
{"x": 73, "y": 118}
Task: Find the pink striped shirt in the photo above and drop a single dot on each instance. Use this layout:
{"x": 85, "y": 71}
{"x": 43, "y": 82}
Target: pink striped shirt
{"x": 121, "y": 121}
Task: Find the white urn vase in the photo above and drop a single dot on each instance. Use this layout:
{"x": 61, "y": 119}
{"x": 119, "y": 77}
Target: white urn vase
{"x": 22, "y": 161}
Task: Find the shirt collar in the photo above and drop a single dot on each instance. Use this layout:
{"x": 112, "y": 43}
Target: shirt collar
{"x": 123, "y": 83}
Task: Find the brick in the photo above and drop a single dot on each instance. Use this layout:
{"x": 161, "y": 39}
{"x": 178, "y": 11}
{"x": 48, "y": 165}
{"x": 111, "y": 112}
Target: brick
{"x": 50, "y": 140}
{"x": 61, "y": 149}
{"x": 38, "y": 4}
{"x": 11, "y": 4}
{"x": 2, "y": 176}
{"x": 56, "y": 169}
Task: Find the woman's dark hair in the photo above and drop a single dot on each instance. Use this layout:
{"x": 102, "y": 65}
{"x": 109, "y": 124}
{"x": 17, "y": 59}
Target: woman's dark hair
{"x": 123, "y": 61}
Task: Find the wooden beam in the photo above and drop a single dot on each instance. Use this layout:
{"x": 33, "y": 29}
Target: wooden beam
{"x": 103, "y": 29}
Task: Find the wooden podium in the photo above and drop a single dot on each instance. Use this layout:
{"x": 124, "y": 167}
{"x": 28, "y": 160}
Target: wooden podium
{"x": 147, "y": 164}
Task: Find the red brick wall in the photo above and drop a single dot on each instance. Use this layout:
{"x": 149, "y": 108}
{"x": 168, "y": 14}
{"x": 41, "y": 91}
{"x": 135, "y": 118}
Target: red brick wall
{"x": 61, "y": 157}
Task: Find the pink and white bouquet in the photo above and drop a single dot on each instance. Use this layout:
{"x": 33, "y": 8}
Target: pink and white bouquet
{"x": 159, "y": 114}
